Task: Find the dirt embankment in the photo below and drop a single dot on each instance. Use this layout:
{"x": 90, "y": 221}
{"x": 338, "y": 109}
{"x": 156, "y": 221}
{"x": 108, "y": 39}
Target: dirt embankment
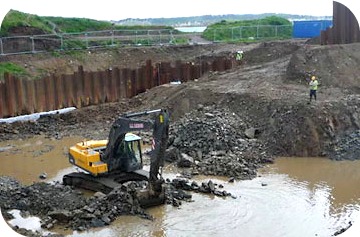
{"x": 268, "y": 91}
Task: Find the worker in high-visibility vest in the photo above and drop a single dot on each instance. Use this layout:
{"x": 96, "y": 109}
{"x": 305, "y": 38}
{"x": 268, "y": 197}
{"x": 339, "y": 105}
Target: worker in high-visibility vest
{"x": 239, "y": 55}
{"x": 313, "y": 87}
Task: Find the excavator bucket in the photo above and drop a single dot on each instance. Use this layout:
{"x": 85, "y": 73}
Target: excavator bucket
{"x": 147, "y": 200}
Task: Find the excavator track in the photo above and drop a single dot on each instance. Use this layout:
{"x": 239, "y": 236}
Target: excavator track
{"x": 104, "y": 183}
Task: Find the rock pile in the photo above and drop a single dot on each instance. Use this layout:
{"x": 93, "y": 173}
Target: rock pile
{"x": 55, "y": 203}
{"x": 218, "y": 142}
{"x": 8, "y": 184}
{"x": 176, "y": 190}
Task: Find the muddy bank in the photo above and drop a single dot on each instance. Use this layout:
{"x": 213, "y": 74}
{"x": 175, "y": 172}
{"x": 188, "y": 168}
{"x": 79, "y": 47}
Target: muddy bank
{"x": 79, "y": 122}
{"x": 297, "y": 128}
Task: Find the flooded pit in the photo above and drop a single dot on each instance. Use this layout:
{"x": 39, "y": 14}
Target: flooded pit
{"x": 293, "y": 197}
{"x": 28, "y": 159}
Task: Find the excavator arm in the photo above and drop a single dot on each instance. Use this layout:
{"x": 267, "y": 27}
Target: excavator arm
{"x": 127, "y": 123}
{"x": 160, "y": 140}
{"x": 116, "y": 155}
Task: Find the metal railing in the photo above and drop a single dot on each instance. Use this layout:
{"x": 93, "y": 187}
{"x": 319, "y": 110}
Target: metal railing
{"x": 250, "y": 32}
{"x": 121, "y": 38}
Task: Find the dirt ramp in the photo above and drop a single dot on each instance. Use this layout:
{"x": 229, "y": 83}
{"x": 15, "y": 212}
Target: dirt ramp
{"x": 270, "y": 51}
{"x": 334, "y": 65}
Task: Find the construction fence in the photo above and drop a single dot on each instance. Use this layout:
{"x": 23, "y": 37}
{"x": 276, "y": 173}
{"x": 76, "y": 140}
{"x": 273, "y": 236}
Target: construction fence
{"x": 86, "y": 40}
{"x": 125, "y": 38}
{"x": 250, "y": 32}
{"x": 19, "y": 96}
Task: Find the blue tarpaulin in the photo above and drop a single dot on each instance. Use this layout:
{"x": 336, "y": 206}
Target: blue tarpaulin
{"x": 310, "y": 29}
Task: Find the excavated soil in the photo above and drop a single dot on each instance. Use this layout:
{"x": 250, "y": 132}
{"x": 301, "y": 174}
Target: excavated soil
{"x": 228, "y": 123}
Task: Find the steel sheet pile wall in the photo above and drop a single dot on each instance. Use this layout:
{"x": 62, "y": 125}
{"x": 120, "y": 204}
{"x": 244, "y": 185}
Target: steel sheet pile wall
{"x": 345, "y": 28}
{"x": 18, "y": 96}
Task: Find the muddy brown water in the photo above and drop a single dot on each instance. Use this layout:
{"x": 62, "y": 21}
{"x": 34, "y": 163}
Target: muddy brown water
{"x": 28, "y": 159}
{"x": 293, "y": 197}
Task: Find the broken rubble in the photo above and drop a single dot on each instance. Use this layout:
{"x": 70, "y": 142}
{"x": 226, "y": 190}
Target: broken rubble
{"x": 56, "y": 204}
{"x": 217, "y": 144}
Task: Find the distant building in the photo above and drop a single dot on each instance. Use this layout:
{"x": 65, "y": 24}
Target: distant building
{"x": 310, "y": 29}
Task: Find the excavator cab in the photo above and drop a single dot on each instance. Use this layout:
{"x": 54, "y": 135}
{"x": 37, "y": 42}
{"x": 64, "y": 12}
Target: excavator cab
{"x": 129, "y": 153}
{"x": 87, "y": 155}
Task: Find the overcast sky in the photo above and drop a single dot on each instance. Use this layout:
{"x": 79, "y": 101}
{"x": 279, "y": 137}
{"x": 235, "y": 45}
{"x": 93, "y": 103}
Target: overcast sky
{"x": 120, "y": 9}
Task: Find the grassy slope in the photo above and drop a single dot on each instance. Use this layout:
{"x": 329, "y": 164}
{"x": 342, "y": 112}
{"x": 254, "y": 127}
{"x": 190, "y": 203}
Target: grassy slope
{"x": 19, "y": 19}
{"x": 60, "y": 24}
{"x": 227, "y": 26}
{"x": 12, "y": 68}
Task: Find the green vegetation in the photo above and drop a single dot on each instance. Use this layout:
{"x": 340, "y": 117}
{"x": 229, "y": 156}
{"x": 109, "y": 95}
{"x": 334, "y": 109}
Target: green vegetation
{"x": 11, "y": 68}
{"x": 71, "y": 25}
{"x": 18, "y": 19}
{"x": 49, "y": 25}
{"x": 82, "y": 33}
{"x": 249, "y": 30}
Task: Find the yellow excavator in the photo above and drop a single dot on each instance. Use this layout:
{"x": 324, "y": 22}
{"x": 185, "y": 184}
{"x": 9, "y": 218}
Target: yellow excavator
{"x": 109, "y": 163}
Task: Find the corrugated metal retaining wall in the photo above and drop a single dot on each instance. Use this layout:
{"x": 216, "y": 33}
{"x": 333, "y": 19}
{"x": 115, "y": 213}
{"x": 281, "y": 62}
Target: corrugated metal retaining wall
{"x": 18, "y": 96}
{"x": 345, "y": 28}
